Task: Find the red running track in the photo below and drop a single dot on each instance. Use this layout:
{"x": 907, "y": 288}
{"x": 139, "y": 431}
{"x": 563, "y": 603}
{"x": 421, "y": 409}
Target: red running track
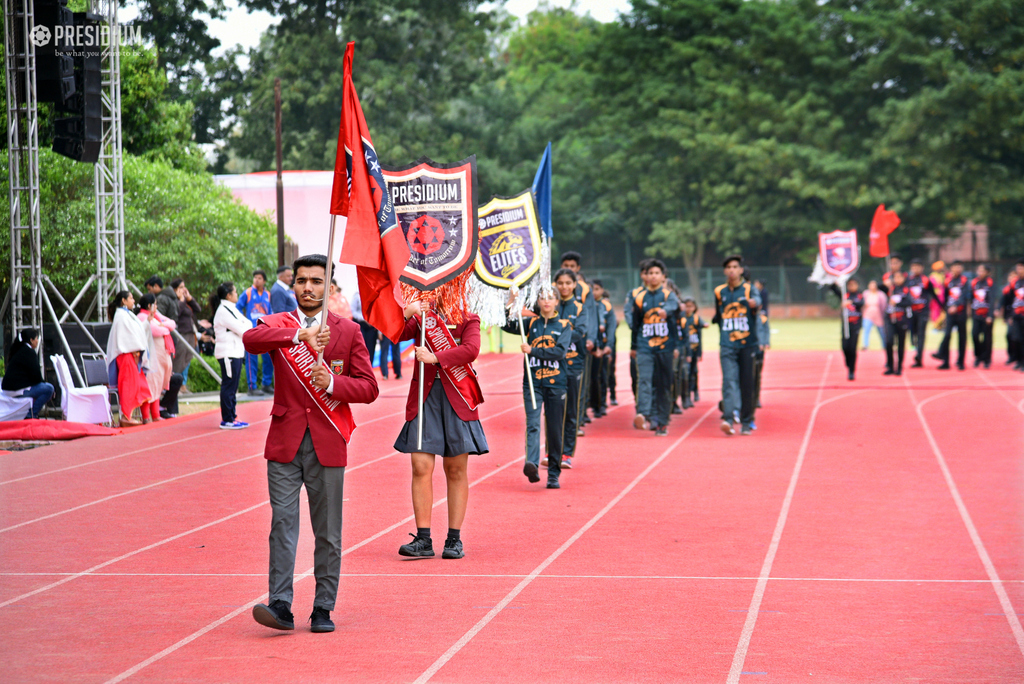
{"x": 870, "y": 531}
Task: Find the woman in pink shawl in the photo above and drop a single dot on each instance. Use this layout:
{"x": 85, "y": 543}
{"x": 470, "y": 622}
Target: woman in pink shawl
{"x": 874, "y": 308}
{"x": 161, "y": 355}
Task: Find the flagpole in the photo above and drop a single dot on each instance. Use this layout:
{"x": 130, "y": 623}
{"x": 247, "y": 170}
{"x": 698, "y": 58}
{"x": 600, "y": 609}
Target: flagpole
{"x": 329, "y": 273}
{"x": 419, "y": 413}
{"x": 526, "y": 360}
{"x": 846, "y": 314}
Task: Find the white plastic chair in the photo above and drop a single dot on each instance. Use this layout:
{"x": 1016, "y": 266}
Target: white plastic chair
{"x": 13, "y": 406}
{"x": 80, "y": 404}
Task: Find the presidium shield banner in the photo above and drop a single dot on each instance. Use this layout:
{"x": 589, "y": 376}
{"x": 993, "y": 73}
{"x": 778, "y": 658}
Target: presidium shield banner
{"x": 839, "y": 254}
{"x": 435, "y": 206}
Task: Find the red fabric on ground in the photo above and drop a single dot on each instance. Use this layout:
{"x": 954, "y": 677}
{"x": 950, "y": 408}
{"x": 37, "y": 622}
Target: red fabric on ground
{"x": 50, "y": 429}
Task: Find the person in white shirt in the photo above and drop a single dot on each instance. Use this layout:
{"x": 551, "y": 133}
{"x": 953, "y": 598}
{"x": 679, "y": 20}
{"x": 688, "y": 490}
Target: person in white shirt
{"x": 228, "y": 326}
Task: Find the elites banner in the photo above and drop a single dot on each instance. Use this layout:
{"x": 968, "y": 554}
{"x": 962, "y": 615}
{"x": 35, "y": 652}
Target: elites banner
{"x": 839, "y": 254}
{"x": 510, "y": 247}
{"x": 436, "y": 207}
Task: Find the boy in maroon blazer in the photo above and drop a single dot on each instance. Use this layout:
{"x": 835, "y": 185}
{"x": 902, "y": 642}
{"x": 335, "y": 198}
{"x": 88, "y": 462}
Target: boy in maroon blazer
{"x": 309, "y": 431}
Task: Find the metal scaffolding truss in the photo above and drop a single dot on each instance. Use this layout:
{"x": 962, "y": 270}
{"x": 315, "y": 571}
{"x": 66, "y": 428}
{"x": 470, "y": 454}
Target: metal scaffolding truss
{"x": 110, "y": 262}
{"x": 24, "y": 296}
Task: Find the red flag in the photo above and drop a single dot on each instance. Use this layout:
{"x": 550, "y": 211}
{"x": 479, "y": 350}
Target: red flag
{"x": 374, "y": 241}
{"x": 884, "y": 223}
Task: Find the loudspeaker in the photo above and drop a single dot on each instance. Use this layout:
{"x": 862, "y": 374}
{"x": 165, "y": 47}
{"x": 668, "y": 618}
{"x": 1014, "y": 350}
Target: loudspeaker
{"x": 55, "y": 69}
{"x": 80, "y": 136}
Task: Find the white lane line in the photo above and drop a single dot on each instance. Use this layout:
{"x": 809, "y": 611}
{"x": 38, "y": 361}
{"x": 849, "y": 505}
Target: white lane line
{"x": 979, "y": 546}
{"x": 259, "y": 599}
{"x": 130, "y": 491}
{"x": 351, "y": 469}
{"x": 468, "y": 636}
{"x": 766, "y": 569}
{"x": 111, "y": 458}
{"x": 185, "y": 439}
{"x": 1004, "y": 395}
{"x": 713, "y": 578}
{"x": 128, "y": 555}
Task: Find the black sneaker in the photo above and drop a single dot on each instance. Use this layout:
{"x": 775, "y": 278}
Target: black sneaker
{"x": 917, "y": 364}
{"x": 452, "y": 549}
{"x": 268, "y": 389}
{"x": 278, "y": 615}
{"x": 944, "y": 366}
{"x": 255, "y": 392}
{"x": 662, "y": 431}
{"x": 889, "y": 371}
{"x": 849, "y": 376}
{"x": 419, "y": 547}
{"x": 553, "y": 481}
{"x": 530, "y": 471}
{"x": 696, "y": 397}
{"x": 614, "y": 401}
{"x": 321, "y": 619}
{"x": 676, "y": 411}
{"x": 687, "y": 404}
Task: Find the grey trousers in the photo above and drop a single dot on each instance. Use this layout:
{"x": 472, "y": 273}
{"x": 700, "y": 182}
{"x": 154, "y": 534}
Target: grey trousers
{"x": 324, "y": 487}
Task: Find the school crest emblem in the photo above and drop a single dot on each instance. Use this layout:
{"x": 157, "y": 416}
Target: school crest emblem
{"x": 337, "y": 366}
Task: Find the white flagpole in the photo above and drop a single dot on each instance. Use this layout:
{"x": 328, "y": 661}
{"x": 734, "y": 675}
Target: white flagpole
{"x": 526, "y": 360}
{"x": 419, "y": 413}
{"x": 329, "y": 272}
{"x": 846, "y": 314}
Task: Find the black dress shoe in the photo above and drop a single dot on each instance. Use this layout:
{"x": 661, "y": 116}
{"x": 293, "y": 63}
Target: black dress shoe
{"x": 917, "y": 364}
{"x": 553, "y": 481}
{"x": 452, "y": 549}
{"x": 278, "y": 615}
{"x": 849, "y": 376}
{"x": 321, "y": 621}
{"x": 676, "y": 410}
{"x": 944, "y": 366}
{"x": 937, "y": 356}
{"x": 419, "y": 547}
{"x": 889, "y": 371}
{"x": 530, "y": 471}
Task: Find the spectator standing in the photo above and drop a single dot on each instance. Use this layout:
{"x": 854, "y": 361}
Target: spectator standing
{"x": 127, "y": 355}
{"x": 188, "y": 312}
{"x": 337, "y": 303}
{"x": 154, "y": 285}
{"x": 255, "y": 304}
{"x": 874, "y": 313}
{"x": 282, "y": 299}
{"x": 370, "y": 333}
{"x": 229, "y": 326}
{"x": 22, "y": 371}
{"x": 161, "y": 350}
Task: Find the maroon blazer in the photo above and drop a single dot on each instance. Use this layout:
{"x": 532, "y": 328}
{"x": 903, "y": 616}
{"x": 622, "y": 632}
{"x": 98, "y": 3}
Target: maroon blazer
{"x": 294, "y": 410}
{"x": 467, "y": 336}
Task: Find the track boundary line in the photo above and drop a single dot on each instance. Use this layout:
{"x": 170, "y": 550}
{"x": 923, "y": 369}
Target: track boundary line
{"x": 248, "y": 606}
{"x": 468, "y": 636}
{"x": 201, "y": 527}
{"x": 111, "y": 458}
{"x": 972, "y": 531}
{"x": 880, "y": 580}
{"x": 130, "y": 491}
{"x": 129, "y": 555}
{"x": 740, "y": 655}
{"x": 1019, "y": 407}
{"x": 204, "y": 434}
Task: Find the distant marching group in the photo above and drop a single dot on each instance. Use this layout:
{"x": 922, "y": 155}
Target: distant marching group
{"x": 907, "y": 302}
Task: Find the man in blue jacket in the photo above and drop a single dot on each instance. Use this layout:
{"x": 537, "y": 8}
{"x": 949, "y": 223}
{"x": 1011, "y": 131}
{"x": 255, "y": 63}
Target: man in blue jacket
{"x": 254, "y": 302}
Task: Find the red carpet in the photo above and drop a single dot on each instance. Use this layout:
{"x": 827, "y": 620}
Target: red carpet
{"x": 46, "y": 430}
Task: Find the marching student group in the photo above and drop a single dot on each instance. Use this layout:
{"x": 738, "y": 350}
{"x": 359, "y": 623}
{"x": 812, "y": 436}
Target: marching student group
{"x": 569, "y": 343}
{"x": 568, "y": 339}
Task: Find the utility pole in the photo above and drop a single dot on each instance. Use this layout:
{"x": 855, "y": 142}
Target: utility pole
{"x": 280, "y": 181}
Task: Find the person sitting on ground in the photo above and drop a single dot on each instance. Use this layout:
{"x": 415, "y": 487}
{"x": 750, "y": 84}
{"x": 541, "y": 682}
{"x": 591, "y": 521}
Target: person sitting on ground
{"x": 127, "y": 357}
{"x": 22, "y": 372}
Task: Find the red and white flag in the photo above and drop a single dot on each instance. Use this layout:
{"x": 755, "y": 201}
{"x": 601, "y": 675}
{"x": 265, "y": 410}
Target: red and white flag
{"x": 884, "y": 223}
{"x": 374, "y": 242}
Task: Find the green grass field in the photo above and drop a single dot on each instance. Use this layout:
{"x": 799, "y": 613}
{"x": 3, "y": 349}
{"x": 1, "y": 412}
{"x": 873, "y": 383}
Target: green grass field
{"x": 788, "y": 334}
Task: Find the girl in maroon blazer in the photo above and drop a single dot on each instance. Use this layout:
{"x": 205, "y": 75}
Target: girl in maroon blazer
{"x": 451, "y": 424}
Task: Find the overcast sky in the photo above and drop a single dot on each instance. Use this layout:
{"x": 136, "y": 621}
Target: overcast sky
{"x": 243, "y": 27}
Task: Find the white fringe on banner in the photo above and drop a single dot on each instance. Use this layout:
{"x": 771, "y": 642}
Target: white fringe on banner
{"x": 491, "y": 303}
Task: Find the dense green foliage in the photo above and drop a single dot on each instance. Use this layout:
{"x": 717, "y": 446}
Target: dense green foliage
{"x": 177, "y": 224}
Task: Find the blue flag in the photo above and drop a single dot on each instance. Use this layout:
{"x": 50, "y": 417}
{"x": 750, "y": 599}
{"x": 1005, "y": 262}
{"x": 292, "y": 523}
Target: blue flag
{"x": 542, "y": 192}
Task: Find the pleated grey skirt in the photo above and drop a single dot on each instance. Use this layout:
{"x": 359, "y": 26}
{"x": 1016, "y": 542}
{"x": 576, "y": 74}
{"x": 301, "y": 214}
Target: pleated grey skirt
{"x": 444, "y": 433}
